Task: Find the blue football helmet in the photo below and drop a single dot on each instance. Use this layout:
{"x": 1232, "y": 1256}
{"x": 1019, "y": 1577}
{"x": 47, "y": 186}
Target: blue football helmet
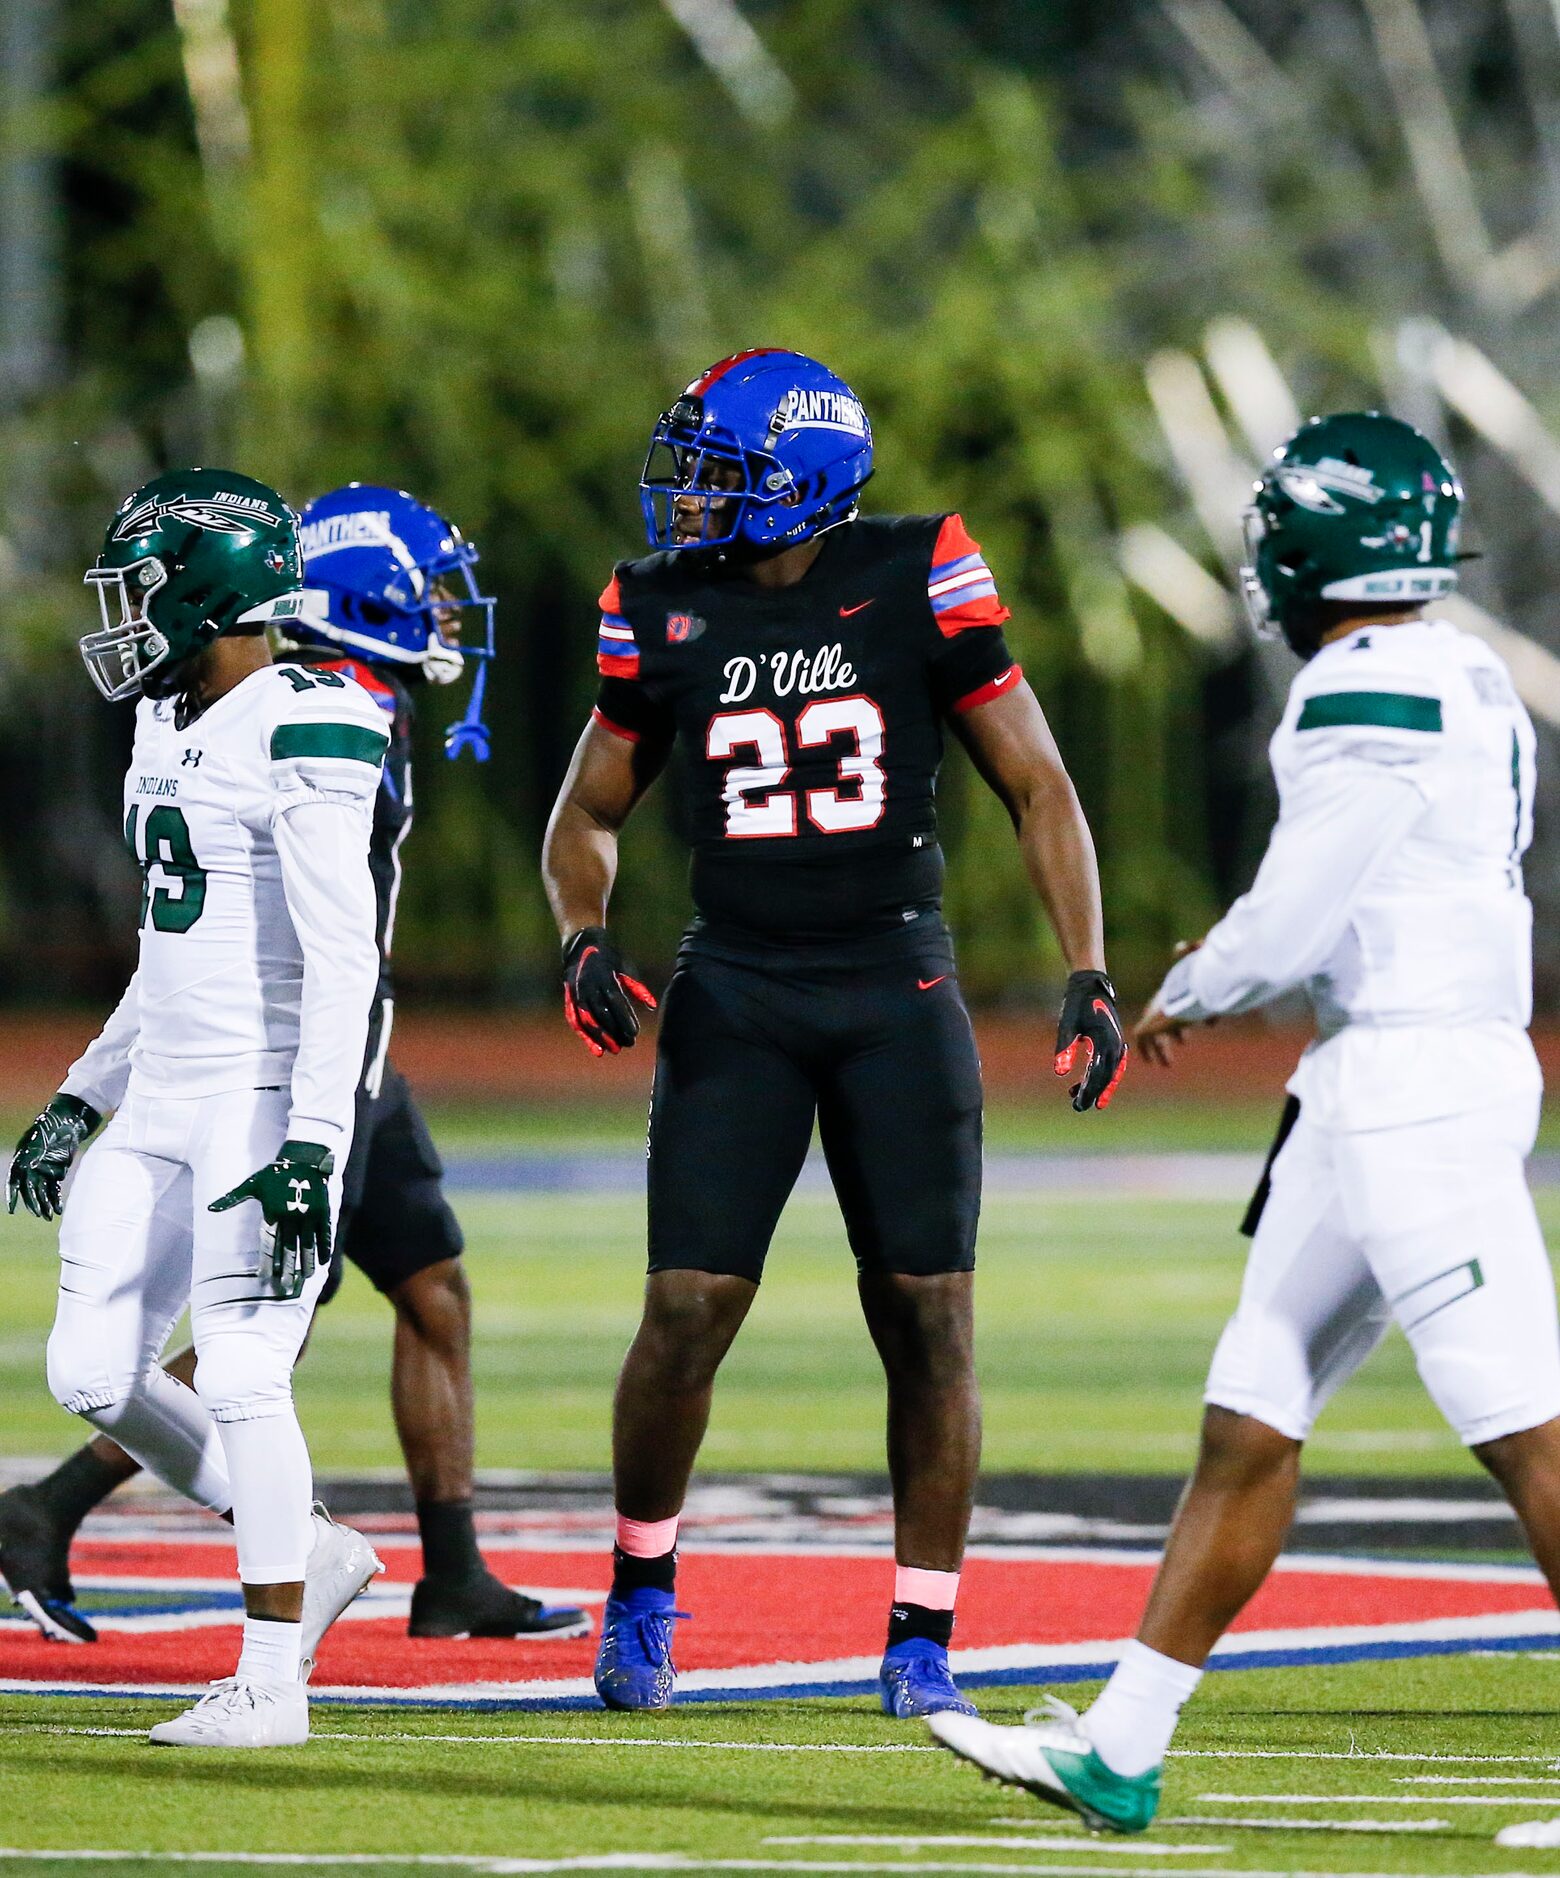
{"x": 765, "y": 450}
{"x": 387, "y": 577}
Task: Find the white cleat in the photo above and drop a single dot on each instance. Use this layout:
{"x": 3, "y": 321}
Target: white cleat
{"x": 341, "y": 1566}
{"x": 235, "y": 1714}
{"x": 1054, "y": 1759}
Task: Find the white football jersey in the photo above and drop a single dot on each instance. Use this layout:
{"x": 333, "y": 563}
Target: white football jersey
{"x": 1392, "y": 887}
{"x": 257, "y": 953}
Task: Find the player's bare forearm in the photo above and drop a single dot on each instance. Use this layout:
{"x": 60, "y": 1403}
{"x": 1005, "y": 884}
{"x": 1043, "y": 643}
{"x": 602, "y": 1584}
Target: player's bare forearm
{"x": 579, "y": 865}
{"x": 579, "y": 855}
{"x": 1058, "y": 850}
{"x": 1012, "y": 747}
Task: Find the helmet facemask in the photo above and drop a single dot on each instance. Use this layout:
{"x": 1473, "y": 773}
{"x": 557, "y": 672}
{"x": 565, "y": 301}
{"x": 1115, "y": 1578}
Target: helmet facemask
{"x": 1254, "y": 596}
{"x": 129, "y": 648}
{"x": 751, "y": 501}
{"x": 682, "y": 465}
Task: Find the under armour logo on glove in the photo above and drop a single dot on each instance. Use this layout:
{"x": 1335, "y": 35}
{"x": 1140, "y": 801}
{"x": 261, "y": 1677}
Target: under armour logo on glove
{"x": 597, "y": 986}
{"x": 1090, "y": 1028}
{"x": 294, "y": 1196}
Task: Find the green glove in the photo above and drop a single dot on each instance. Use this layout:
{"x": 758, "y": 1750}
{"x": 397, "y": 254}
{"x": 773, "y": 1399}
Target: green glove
{"x": 44, "y": 1154}
{"x": 294, "y": 1195}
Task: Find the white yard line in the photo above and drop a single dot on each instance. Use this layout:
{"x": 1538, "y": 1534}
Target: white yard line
{"x": 1311, "y": 1825}
{"x": 992, "y": 1843}
{"x": 679, "y": 1742}
{"x": 1482, "y": 1780}
{"x": 1361, "y": 1754}
{"x": 1365, "y": 1799}
{"x": 651, "y": 1861}
{"x": 540, "y": 1741}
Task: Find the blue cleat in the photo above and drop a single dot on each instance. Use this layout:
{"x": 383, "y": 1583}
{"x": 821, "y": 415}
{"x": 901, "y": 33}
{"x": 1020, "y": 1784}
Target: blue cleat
{"x": 915, "y": 1680}
{"x": 634, "y": 1667}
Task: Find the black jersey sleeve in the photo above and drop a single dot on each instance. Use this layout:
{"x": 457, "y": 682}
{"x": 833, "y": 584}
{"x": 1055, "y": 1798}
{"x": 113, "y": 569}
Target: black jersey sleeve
{"x": 970, "y": 661}
{"x": 625, "y": 704}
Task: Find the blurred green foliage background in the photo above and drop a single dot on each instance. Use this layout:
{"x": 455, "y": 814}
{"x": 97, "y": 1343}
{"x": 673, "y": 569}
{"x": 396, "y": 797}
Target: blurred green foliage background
{"x": 473, "y": 246}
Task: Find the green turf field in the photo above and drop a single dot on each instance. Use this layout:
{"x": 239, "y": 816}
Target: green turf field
{"x": 1382, "y": 1768}
{"x": 1098, "y": 1316}
{"x": 1097, "y": 1320}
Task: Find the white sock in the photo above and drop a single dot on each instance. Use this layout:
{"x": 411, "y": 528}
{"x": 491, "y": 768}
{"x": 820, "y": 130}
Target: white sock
{"x": 273, "y": 1651}
{"x": 1135, "y": 1714}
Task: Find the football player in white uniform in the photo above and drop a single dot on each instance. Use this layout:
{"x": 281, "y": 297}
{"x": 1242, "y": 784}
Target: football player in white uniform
{"x": 1391, "y": 893}
{"x": 230, "y": 1064}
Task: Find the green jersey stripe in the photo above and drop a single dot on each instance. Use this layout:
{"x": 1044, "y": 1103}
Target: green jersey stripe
{"x": 348, "y": 740}
{"x": 1399, "y": 710}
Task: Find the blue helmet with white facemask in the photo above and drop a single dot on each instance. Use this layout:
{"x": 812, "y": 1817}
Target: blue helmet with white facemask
{"x": 779, "y": 442}
{"x": 390, "y": 579}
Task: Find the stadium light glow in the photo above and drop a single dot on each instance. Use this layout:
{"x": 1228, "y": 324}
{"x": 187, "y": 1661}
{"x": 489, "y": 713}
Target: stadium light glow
{"x": 733, "y": 51}
{"x": 1251, "y": 384}
{"x": 1481, "y": 393}
{"x": 211, "y": 71}
{"x": 1217, "y": 479}
{"x": 1179, "y": 584}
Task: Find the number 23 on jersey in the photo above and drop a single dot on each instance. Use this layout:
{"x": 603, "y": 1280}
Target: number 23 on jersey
{"x": 759, "y": 807}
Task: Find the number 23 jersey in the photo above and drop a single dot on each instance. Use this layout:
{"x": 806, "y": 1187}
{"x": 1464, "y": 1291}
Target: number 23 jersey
{"x": 809, "y": 717}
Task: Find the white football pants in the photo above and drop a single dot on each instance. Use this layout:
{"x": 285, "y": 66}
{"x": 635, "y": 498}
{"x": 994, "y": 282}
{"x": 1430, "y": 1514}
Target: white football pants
{"x": 1431, "y": 1224}
{"x": 136, "y": 1246}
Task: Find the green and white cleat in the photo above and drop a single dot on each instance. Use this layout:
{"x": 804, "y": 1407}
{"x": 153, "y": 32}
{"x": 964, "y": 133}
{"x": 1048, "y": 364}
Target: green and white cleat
{"x": 1055, "y": 1761}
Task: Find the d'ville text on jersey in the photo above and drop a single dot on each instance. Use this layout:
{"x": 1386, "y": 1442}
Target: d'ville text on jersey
{"x": 827, "y": 669}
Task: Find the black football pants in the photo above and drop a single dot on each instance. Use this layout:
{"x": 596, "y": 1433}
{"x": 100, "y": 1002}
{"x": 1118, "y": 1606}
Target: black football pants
{"x": 879, "y": 1050}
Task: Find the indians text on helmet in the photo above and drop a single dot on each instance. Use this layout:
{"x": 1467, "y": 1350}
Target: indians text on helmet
{"x": 819, "y": 410}
{"x": 225, "y": 513}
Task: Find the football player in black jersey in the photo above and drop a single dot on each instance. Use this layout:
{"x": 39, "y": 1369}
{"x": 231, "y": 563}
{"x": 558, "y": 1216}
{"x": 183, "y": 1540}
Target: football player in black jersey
{"x": 388, "y": 579}
{"x": 808, "y": 662}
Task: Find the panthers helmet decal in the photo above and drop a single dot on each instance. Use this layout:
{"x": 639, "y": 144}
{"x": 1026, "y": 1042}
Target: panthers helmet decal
{"x": 387, "y": 577}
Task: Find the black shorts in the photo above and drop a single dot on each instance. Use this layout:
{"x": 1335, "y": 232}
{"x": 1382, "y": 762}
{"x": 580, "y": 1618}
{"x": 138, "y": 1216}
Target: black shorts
{"x": 395, "y": 1220}
{"x": 874, "y": 1041}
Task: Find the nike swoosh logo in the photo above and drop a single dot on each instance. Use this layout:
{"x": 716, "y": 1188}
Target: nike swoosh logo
{"x": 846, "y": 611}
{"x": 925, "y": 984}
{"x": 1105, "y": 1011}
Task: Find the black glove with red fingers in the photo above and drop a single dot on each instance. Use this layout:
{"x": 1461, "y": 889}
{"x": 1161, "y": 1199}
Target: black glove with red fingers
{"x": 1090, "y": 1031}
{"x": 597, "y": 989}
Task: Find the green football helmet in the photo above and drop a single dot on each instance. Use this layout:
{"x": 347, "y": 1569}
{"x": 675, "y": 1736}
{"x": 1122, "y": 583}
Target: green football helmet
{"x": 191, "y": 555}
{"x": 1357, "y": 509}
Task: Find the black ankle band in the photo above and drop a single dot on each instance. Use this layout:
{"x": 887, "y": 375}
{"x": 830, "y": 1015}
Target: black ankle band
{"x": 915, "y": 1620}
{"x": 643, "y": 1574}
